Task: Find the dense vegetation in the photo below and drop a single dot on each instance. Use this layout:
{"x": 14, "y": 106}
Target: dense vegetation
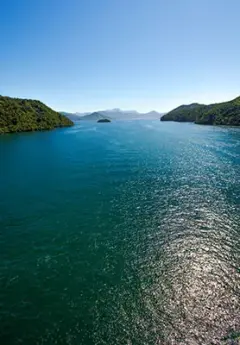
{"x": 184, "y": 113}
{"x": 22, "y": 115}
{"x": 227, "y": 113}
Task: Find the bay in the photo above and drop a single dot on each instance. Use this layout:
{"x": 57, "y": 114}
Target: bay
{"x": 120, "y": 233}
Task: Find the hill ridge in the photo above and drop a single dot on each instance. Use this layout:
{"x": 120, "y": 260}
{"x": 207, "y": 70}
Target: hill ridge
{"x": 24, "y": 115}
{"x": 225, "y": 113}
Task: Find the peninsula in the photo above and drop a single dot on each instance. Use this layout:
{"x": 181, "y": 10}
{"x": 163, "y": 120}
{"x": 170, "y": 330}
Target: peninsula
{"x": 227, "y": 113}
{"x": 24, "y": 115}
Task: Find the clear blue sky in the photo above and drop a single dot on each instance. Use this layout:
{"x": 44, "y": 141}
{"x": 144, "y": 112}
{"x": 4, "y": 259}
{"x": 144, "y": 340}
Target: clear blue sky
{"x": 84, "y": 55}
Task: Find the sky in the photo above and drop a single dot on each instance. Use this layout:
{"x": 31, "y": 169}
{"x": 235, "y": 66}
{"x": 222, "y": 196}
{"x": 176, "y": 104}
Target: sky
{"x": 87, "y": 55}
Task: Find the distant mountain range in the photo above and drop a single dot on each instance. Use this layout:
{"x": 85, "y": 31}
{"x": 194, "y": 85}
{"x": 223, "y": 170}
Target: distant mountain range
{"x": 226, "y": 113}
{"x": 96, "y": 116}
{"x": 72, "y": 116}
{"x": 112, "y": 114}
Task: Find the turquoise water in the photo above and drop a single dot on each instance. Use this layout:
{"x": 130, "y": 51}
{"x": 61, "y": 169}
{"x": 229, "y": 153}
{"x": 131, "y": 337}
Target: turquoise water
{"x": 121, "y": 233}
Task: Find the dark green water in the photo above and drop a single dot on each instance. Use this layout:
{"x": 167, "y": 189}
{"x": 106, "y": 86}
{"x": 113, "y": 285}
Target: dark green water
{"x": 121, "y": 233}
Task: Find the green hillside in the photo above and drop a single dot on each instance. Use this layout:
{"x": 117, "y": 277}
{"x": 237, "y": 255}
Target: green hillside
{"x": 227, "y": 113}
{"x": 184, "y": 113}
{"x": 23, "y": 115}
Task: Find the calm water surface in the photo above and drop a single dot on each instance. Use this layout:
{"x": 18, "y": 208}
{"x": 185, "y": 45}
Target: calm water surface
{"x": 125, "y": 233}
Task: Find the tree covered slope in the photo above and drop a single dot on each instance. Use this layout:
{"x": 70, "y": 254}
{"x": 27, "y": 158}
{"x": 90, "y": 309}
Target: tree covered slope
{"x": 184, "y": 113}
{"x": 227, "y": 113}
{"x": 22, "y": 115}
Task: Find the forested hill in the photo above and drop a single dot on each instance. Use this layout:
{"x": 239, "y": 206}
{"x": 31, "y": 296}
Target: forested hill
{"x": 227, "y": 113}
{"x": 23, "y": 115}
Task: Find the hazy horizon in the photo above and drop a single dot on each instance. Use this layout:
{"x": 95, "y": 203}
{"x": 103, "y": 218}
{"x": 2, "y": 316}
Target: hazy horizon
{"x": 148, "y": 110}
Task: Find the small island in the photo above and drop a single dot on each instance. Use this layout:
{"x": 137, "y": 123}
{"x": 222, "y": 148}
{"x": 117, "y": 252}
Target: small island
{"x": 24, "y": 115}
{"x": 104, "y": 120}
